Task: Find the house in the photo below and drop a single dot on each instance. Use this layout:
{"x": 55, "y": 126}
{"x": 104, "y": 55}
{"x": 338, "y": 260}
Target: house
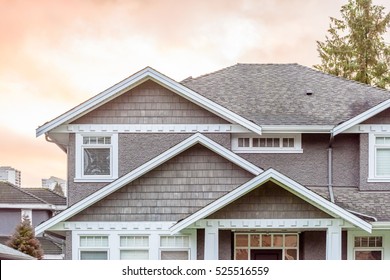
{"x": 254, "y": 161}
{"x": 38, "y": 205}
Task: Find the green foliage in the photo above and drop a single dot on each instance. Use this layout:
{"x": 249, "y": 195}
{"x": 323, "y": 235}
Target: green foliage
{"x": 355, "y": 48}
{"x": 24, "y": 240}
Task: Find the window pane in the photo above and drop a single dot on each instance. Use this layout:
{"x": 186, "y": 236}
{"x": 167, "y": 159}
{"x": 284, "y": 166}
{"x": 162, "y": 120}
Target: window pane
{"x": 174, "y": 255}
{"x": 96, "y": 161}
{"x": 266, "y": 240}
{"x": 290, "y": 254}
{"x": 241, "y": 254}
{"x": 382, "y": 162}
{"x": 291, "y": 241}
{"x": 276, "y": 142}
{"x": 242, "y": 240}
{"x": 278, "y": 240}
{"x": 269, "y": 142}
{"x": 93, "y": 255}
{"x": 379, "y": 140}
{"x": 255, "y": 240}
{"x": 255, "y": 142}
{"x": 368, "y": 255}
{"x": 175, "y": 241}
{"x": 134, "y": 255}
{"x": 262, "y": 142}
{"x": 94, "y": 241}
{"x": 134, "y": 241}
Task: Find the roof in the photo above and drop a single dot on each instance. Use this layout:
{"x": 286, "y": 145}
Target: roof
{"x": 48, "y": 195}
{"x": 146, "y": 74}
{"x": 145, "y": 168}
{"x": 283, "y": 181}
{"x": 11, "y": 194}
{"x": 48, "y": 246}
{"x": 275, "y": 94}
{"x": 7, "y": 253}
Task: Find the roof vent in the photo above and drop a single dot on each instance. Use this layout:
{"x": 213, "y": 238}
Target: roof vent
{"x": 309, "y": 92}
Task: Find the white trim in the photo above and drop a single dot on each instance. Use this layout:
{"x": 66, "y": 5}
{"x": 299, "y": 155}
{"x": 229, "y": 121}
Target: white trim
{"x": 361, "y": 117}
{"x": 385, "y": 234}
{"x": 129, "y": 226}
{"x": 267, "y": 224}
{"x": 149, "y": 128}
{"x": 369, "y": 128}
{"x": 143, "y": 169}
{"x": 32, "y": 206}
{"x": 380, "y": 225}
{"x": 136, "y": 79}
{"x": 283, "y": 181}
{"x": 296, "y": 128}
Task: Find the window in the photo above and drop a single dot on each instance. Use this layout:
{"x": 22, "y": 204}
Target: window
{"x": 379, "y": 158}
{"x": 175, "y": 247}
{"x": 286, "y": 243}
{"x": 368, "y": 248}
{"x": 270, "y": 143}
{"x": 93, "y": 247}
{"x": 134, "y": 247}
{"x": 96, "y": 157}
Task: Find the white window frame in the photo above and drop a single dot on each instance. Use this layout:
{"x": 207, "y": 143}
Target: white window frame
{"x": 79, "y": 157}
{"x": 367, "y": 248}
{"x": 174, "y": 248}
{"x": 372, "y": 148}
{"x": 134, "y": 248}
{"x": 93, "y": 248}
{"x": 274, "y": 150}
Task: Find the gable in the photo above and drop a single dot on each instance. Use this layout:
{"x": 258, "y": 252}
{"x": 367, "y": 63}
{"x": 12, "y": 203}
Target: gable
{"x": 269, "y": 201}
{"x": 171, "y": 191}
{"x": 381, "y": 118}
{"x": 149, "y": 103}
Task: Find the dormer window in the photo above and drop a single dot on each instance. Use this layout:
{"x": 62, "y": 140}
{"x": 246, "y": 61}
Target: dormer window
{"x": 96, "y": 157}
{"x": 270, "y": 143}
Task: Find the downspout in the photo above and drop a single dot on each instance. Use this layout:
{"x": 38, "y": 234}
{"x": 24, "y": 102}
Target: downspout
{"x": 330, "y": 167}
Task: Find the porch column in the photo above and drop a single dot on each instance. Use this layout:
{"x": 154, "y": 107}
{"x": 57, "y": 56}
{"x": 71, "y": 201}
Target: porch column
{"x": 211, "y": 241}
{"x": 333, "y": 243}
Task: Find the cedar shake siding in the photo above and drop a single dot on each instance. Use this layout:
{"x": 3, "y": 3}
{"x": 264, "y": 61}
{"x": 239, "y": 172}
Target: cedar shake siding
{"x": 134, "y": 150}
{"x": 269, "y": 201}
{"x": 150, "y": 103}
{"x": 172, "y": 191}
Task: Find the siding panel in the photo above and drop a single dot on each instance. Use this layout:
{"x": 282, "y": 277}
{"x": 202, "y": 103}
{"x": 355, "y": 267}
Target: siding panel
{"x": 269, "y": 201}
{"x": 172, "y": 191}
{"x": 150, "y": 103}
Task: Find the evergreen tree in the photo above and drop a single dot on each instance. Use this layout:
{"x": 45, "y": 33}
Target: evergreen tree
{"x": 355, "y": 48}
{"x": 24, "y": 240}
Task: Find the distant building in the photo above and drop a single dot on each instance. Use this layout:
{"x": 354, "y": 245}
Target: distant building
{"x": 52, "y": 182}
{"x": 9, "y": 174}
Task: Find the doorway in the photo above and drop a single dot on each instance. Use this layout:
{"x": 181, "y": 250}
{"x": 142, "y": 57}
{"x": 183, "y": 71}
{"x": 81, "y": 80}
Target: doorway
{"x": 266, "y": 254}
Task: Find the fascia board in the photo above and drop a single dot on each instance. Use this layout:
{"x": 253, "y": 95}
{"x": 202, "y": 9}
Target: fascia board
{"x": 297, "y": 128}
{"x": 361, "y": 117}
{"x": 28, "y": 206}
{"x": 134, "y": 80}
{"x": 288, "y": 184}
{"x": 143, "y": 169}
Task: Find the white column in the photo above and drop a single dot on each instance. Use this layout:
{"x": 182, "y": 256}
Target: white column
{"x": 211, "y": 241}
{"x": 333, "y": 243}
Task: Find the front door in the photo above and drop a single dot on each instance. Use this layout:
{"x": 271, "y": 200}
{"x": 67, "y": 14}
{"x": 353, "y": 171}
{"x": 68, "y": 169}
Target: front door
{"x": 266, "y": 254}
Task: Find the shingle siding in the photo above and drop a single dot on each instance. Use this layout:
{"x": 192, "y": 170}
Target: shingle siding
{"x": 172, "y": 191}
{"x": 269, "y": 201}
{"x": 150, "y": 103}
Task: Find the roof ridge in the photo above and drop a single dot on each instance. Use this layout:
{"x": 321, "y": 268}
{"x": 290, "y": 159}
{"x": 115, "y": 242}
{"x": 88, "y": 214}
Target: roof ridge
{"x": 344, "y": 79}
{"x": 207, "y": 74}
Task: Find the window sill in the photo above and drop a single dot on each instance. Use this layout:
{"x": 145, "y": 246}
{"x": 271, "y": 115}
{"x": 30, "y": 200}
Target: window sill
{"x": 378, "y": 180}
{"x": 93, "y": 180}
{"x": 295, "y": 151}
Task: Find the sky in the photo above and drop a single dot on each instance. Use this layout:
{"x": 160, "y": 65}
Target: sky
{"x": 56, "y": 54}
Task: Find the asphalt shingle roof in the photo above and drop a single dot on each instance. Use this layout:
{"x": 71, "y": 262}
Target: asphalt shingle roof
{"x": 275, "y": 94}
{"x": 12, "y": 194}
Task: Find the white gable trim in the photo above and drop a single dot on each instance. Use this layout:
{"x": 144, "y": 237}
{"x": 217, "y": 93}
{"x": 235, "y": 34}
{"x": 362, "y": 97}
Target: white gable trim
{"x": 283, "y": 181}
{"x": 145, "y": 168}
{"x": 361, "y": 118}
{"x": 136, "y": 79}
